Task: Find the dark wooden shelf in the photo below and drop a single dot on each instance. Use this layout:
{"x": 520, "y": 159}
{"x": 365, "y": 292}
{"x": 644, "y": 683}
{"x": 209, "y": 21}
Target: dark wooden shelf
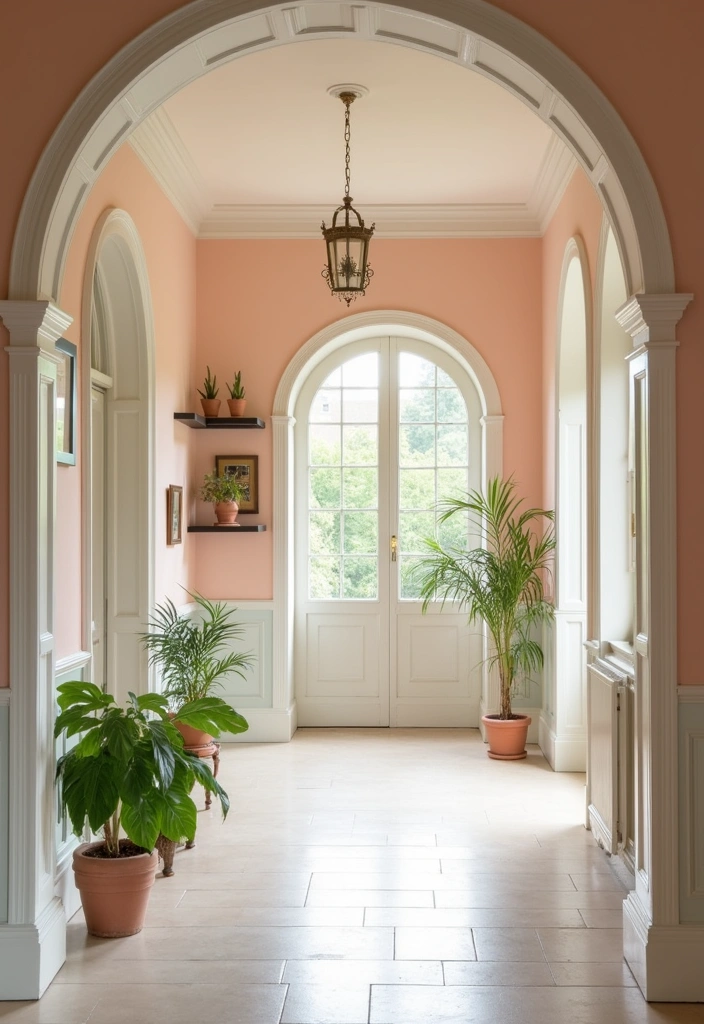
{"x": 198, "y": 422}
{"x": 256, "y": 528}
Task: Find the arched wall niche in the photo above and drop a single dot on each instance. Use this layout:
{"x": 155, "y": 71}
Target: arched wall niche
{"x": 201, "y": 36}
{"x": 117, "y": 261}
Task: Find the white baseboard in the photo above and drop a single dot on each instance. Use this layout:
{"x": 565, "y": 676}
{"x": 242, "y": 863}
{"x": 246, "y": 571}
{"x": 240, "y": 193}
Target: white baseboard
{"x": 665, "y": 961}
{"x": 267, "y": 725}
{"x": 563, "y": 755}
{"x": 31, "y": 954}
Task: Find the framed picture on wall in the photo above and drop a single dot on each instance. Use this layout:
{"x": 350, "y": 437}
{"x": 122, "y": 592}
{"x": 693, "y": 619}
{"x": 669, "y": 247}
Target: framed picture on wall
{"x": 245, "y": 469}
{"x": 66, "y": 403}
{"x": 174, "y": 514}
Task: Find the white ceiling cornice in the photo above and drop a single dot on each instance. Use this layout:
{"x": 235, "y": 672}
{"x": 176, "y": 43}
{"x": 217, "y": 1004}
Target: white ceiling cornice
{"x": 159, "y": 147}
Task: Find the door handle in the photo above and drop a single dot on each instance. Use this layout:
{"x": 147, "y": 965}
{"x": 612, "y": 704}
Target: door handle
{"x": 394, "y": 548}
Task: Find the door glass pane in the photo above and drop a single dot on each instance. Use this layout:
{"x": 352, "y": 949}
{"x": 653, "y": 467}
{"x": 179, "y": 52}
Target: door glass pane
{"x": 343, "y": 483}
{"x": 433, "y": 434}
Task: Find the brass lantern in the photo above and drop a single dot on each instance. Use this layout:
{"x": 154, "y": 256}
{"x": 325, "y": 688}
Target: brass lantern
{"x": 347, "y": 272}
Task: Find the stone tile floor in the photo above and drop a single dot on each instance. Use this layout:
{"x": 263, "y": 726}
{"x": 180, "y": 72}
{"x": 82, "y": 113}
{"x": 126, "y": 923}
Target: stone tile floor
{"x": 372, "y": 877}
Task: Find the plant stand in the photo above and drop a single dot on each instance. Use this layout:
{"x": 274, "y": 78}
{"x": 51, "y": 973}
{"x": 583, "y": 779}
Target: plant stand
{"x": 166, "y": 848}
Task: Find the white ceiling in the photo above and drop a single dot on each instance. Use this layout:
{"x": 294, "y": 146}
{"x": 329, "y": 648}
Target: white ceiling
{"x": 262, "y": 132}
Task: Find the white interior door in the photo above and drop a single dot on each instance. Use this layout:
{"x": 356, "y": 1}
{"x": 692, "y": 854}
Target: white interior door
{"x": 98, "y": 549}
{"x": 385, "y": 428}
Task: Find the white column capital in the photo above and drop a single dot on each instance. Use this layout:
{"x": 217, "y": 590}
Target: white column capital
{"x": 283, "y": 421}
{"x": 33, "y": 323}
{"x": 653, "y": 318}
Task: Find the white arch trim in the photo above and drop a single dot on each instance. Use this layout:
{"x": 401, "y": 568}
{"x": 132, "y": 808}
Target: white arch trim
{"x": 131, "y": 321}
{"x": 203, "y": 35}
{"x": 351, "y": 328}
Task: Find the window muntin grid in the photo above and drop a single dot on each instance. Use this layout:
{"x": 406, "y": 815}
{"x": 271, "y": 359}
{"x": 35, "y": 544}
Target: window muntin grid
{"x": 343, "y": 483}
{"x": 433, "y": 461}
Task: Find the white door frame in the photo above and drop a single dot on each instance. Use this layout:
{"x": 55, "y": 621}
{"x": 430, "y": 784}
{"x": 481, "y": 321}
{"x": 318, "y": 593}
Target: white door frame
{"x": 337, "y": 335}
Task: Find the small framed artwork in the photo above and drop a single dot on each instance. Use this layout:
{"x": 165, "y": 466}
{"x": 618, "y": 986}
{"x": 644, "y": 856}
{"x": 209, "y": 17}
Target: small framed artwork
{"x": 245, "y": 469}
{"x": 174, "y": 514}
{"x": 66, "y": 403}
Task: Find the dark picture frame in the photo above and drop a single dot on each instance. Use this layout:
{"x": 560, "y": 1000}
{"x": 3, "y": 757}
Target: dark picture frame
{"x": 66, "y": 402}
{"x": 174, "y": 514}
{"x": 245, "y": 469}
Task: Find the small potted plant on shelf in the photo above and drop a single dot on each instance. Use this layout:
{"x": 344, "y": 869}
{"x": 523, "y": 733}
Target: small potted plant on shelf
{"x": 236, "y": 401}
{"x": 500, "y": 583}
{"x": 209, "y": 395}
{"x": 224, "y": 493}
{"x": 193, "y": 659}
{"x": 129, "y": 773}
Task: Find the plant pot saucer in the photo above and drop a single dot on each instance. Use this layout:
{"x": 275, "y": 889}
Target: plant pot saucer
{"x": 507, "y": 757}
{"x": 226, "y": 524}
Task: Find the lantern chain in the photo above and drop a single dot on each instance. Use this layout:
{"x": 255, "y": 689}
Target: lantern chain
{"x": 347, "y": 103}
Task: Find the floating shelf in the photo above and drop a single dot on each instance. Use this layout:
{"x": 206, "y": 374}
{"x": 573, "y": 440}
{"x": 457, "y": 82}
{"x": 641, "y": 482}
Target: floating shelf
{"x": 257, "y": 528}
{"x": 198, "y": 422}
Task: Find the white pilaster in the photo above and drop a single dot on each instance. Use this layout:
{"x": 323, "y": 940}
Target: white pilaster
{"x": 32, "y": 944}
{"x": 283, "y": 526}
{"x": 656, "y": 951}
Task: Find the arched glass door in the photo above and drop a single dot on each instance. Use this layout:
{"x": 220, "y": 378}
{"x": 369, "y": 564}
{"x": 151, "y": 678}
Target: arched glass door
{"x": 385, "y": 428}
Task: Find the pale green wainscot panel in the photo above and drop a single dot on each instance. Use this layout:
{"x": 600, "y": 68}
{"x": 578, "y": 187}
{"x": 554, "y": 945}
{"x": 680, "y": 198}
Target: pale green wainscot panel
{"x": 4, "y": 808}
{"x": 255, "y": 689}
{"x": 691, "y": 787}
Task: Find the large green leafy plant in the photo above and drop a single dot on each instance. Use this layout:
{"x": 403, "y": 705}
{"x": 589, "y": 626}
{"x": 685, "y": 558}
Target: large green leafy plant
{"x": 192, "y": 655}
{"x": 502, "y": 581}
{"x": 129, "y": 771}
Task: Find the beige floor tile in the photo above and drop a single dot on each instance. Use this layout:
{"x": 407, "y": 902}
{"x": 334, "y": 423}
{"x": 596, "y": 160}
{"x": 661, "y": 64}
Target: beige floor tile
{"x": 324, "y": 1004}
{"x": 540, "y": 900}
{"x": 434, "y": 944}
{"x": 62, "y": 1004}
{"x": 602, "y": 975}
{"x": 370, "y": 898}
{"x": 244, "y": 898}
{"x": 465, "y": 918}
{"x": 183, "y": 1004}
{"x": 597, "y": 881}
{"x": 582, "y": 945}
{"x": 364, "y": 972}
{"x": 518, "y": 944}
{"x": 281, "y": 917}
{"x": 485, "y": 973}
{"x": 171, "y": 972}
{"x": 602, "y": 918}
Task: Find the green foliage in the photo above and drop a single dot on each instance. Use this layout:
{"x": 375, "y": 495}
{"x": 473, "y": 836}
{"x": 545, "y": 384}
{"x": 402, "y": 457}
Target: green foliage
{"x": 501, "y": 582}
{"x": 193, "y": 660}
{"x": 236, "y": 390}
{"x": 210, "y": 386}
{"x": 220, "y": 488}
{"x": 130, "y": 771}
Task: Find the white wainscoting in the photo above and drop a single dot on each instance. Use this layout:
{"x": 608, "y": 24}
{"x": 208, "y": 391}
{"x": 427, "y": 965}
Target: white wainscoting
{"x": 691, "y": 809}
{"x": 4, "y": 799}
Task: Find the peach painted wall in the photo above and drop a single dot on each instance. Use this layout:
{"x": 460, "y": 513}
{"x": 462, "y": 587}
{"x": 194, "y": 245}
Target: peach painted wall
{"x": 260, "y": 301}
{"x": 170, "y": 252}
{"x": 52, "y": 51}
{"x": 579, "y": 214}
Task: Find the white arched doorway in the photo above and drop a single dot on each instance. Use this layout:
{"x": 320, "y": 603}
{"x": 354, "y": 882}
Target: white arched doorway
{"x": 118, "y": 441}
{"x": 191, "y": 41}
{"x": 307, "y": 366}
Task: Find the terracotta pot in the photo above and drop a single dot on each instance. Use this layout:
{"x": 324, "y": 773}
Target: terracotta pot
{"x": 114, "y": 890}
{"x": 193, "y": 738}
{"x": 506, "y": 737}
{"x": 211, "y": 406}
{"x": 237, "y": 406}
{"x": 226, "y": 513}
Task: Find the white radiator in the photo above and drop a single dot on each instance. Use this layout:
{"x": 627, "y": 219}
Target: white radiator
{"x": 604, "y": 692}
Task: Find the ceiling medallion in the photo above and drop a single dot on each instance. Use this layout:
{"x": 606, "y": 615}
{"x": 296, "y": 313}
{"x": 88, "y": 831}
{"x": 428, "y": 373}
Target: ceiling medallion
{"x": 347, "y": 272}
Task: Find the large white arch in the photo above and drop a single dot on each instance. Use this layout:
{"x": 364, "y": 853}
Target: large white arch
{"x": 203, "y": 35}
{"x": 335, "y": 336}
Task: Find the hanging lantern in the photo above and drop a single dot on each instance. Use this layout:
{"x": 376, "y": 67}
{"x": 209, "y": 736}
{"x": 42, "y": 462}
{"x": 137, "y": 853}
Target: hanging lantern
{"x": 347, "y": 272}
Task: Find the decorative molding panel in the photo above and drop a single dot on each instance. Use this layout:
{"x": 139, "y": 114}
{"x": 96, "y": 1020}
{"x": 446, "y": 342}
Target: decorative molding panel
{"x": 160, "y": 148}
{"x": 691, "y": 808}
{"x": 4, "y": 802}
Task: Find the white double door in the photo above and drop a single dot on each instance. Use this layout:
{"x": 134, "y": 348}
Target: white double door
{"x": 384, "y": 429}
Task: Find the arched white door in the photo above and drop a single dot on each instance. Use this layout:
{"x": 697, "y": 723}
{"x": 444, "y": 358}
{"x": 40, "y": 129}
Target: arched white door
{"x": 385, "y": 427}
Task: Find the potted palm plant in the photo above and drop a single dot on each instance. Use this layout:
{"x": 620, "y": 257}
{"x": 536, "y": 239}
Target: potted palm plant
{"x": 502, "y": 584}
{"x": 224, "y": 493}
{"x": 130, "y": 778}
{"x": 193, "y": 659}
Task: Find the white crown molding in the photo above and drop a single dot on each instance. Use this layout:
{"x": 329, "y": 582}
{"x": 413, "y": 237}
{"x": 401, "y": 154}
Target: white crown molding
{"x": 160, "y": 148}
{"x": 162, "y": 151}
